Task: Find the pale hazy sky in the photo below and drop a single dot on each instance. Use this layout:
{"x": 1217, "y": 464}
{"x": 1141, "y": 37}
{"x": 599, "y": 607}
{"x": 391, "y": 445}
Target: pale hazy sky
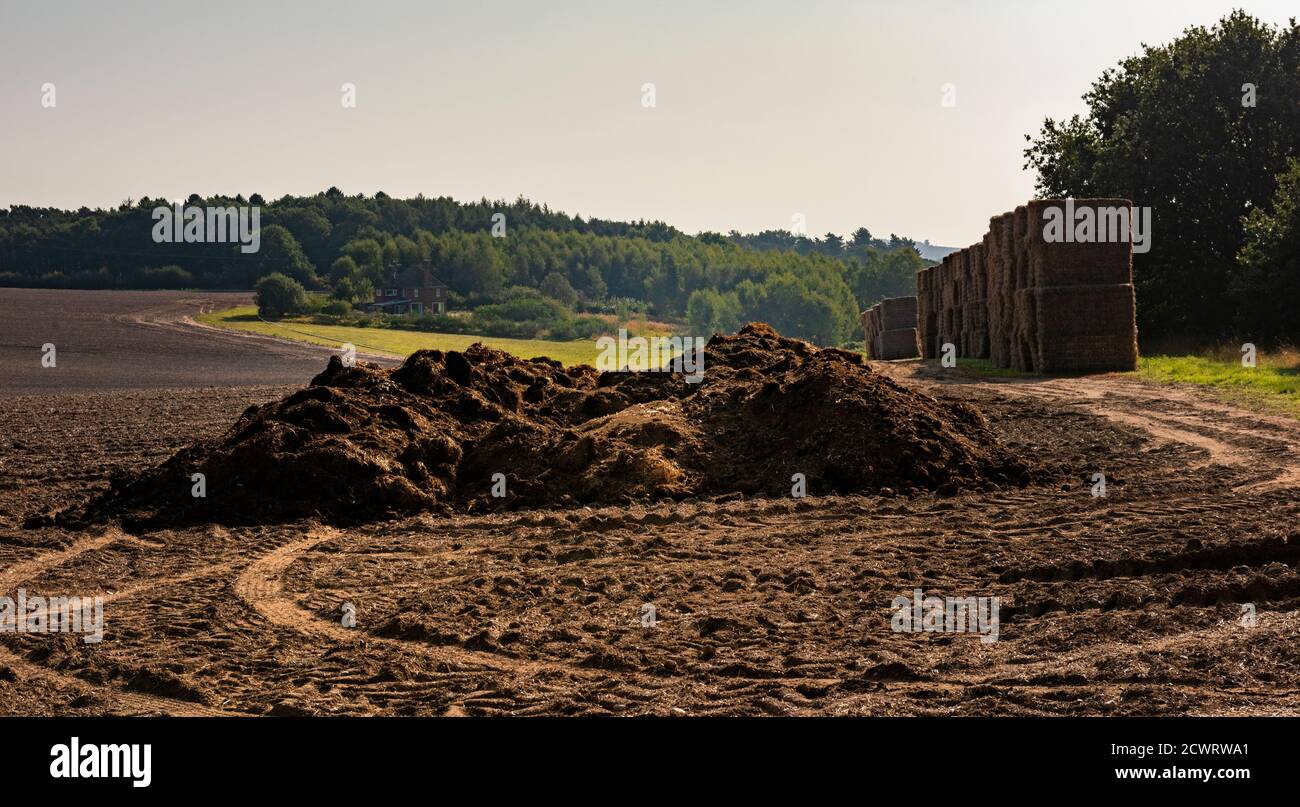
{"x": 764, "y": 109}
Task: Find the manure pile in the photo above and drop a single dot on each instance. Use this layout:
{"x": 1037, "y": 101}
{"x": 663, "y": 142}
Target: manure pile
{"x": 364, "y": 443}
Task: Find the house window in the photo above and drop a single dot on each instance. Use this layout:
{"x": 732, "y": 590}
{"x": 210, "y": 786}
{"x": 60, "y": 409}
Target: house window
{"x": 390, "y": 292}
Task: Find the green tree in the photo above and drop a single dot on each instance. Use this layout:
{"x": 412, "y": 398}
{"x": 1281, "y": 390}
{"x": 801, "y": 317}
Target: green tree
{"x": 557, "y": 287}
{"x": 408, "y": 251}
{"x": 344, "y": 266}
{"x": 369, "y": 257}
{"x": 710, "y": 312}
{"x": 1267, "y": 282}
{"x": 472, "y": 266}
{"x": 278, "y": 294}
{"x": 310, "y": 227}
{"x": 280, "y": 252}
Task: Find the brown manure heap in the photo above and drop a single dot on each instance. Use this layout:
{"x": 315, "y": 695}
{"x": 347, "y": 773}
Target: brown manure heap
{"x": 364, "y": 443}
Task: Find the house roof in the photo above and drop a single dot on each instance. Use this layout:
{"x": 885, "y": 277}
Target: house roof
{"x": 419, "y": 275}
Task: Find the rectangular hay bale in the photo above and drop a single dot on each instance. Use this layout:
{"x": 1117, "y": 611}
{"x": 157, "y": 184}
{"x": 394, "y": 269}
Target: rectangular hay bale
{"x": 1086, "y": 328}
{"x": 899, "y": 343}
{"x": 897, "y": 312}
{"x": 1064, "y": 263}
{"x": 1024, "y": 332}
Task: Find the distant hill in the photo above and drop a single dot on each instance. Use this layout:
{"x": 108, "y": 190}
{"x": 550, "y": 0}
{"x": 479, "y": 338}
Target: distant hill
{"x": 933, "y": 252}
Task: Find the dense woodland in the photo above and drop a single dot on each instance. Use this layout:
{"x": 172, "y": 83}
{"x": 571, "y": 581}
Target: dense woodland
{"x": 346, "y": 245}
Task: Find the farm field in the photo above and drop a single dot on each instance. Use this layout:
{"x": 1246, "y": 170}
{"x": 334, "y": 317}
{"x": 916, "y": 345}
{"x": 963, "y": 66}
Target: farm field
{"x": 397, "y": 343}
{"x": 1271, "y": 387}
{"x": 1131, "y": 603}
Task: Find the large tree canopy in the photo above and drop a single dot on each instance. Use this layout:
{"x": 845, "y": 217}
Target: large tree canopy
{"x": 1178, "y": 130}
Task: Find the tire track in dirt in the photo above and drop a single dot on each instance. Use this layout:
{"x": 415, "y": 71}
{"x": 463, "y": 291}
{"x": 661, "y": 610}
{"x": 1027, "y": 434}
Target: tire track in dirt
{"x": 1264, "y": 446}
{"x": 1156, "y": 592}
{"x": 1228, "y": 433}
{"x": 152, "y": 584}
{"x": 1218, "y": 450}
{"x": 133, "y": 701}
{"x": 15, "y": 573}
{"x": 259, "y": 584}
{"x": 1281, "y": 702}
{"x": 1217, "y": 635}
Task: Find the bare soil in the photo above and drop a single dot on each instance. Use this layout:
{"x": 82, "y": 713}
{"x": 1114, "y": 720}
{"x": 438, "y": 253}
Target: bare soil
{"x": 1130, "y": 603}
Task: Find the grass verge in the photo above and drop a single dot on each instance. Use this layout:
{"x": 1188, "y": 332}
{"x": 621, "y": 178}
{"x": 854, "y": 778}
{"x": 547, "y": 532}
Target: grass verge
{"x": 393, "y": 342}
{"x": 984, "y": 367}
{"x": 1273, "y": 384}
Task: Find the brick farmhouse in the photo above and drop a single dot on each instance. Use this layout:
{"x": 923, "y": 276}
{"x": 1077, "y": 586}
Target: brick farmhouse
{"x": 412, "y": 290}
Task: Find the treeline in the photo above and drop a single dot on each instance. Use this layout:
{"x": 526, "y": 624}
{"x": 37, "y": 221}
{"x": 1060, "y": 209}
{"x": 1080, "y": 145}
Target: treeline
{"x": 348, "y": 245}
{"x": 1205, "y": 131}
{"x": 857, "y": 244}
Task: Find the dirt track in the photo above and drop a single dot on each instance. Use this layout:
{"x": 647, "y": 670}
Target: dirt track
{"x": 1127, "y": 604}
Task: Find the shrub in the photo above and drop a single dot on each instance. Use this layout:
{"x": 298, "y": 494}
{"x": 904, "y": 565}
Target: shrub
{"x": 277, "y": 295}
{"x": 557, "y": 287}
{"x": 336, "y": 308}
{"x": 165, "y": 277}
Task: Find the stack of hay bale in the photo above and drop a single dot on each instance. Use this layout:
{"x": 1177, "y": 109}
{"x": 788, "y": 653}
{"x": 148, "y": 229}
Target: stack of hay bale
{"x": 927, "y": 311}
{"x": 1034, "y": 305}
{"x": 890, "y": 330}
{"x": 973, "y": 331}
